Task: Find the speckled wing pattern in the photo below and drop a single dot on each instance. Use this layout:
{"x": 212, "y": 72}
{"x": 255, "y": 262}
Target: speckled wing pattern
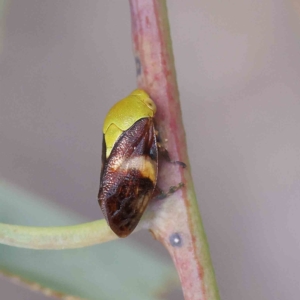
{"x": 128, "y": 177}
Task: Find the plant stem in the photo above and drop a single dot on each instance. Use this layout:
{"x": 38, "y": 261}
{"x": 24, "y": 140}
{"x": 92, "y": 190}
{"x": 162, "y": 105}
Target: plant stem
{"x": 63, "y": 237}
{"x": 176, "y": 220}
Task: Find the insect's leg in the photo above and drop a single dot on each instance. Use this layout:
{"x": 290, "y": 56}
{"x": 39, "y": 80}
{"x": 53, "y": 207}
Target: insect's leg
{"x": 160, "y": 194}
{"x": 165, "y": 154}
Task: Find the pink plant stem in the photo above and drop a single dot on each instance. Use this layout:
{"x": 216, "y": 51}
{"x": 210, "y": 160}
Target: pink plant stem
{"x": 176, "y": 220}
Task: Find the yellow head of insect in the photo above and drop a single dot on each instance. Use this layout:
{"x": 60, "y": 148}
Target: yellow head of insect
{"x": 145, "y": 98}
{"x": 124, "y": 114}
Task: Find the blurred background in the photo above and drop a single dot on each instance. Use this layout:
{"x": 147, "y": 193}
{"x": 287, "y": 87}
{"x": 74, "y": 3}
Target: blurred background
{"x": 64, "y": 63}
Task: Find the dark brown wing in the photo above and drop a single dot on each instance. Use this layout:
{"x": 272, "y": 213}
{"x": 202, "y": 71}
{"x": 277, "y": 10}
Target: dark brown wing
{"x": 128, "y": 177}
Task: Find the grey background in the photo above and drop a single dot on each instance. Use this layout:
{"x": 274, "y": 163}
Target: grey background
{"x": 238, "y": 70}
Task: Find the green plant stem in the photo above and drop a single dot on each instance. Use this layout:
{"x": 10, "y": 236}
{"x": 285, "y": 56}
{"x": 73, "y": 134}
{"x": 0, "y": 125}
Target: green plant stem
{"x": 64, "y": 237}
{"x": 176, "y": 220}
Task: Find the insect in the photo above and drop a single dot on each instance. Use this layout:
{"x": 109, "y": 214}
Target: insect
{"x": 129, "y": 162}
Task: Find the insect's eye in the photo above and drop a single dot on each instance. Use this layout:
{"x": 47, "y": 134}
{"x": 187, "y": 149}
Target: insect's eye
{"x": 150, "y": 104}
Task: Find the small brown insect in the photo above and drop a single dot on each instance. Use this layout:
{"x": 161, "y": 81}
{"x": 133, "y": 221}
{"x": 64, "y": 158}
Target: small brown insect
{"x": 129, "y": 162}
